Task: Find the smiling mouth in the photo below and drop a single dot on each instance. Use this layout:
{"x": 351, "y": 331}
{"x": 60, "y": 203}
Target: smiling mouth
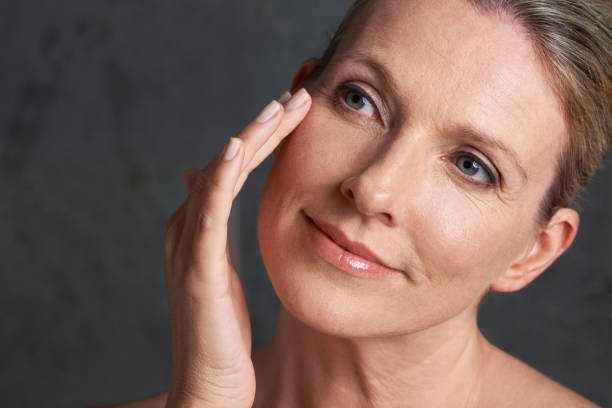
{"x": 335, "y": 248}
{"x": 326, "y": 234}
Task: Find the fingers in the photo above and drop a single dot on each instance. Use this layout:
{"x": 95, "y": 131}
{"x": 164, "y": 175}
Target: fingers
{"x": 210, "y": 202}
{"x": 212, "y": 189}
{"x": 277, "y": 120}
{"x": 259, "y": 144}
{"x": 258, "y": 131}
{"x": 256, "y": 137}
{"x": 173, "y": 230}
{"x": 189, "y": 178}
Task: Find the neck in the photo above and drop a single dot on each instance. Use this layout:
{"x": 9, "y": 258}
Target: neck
{"x": 438, "y": 366}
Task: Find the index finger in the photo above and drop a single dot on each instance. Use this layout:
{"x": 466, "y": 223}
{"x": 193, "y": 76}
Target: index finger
{"x": 295, "y": 110}
{"x": 262, "y": 144}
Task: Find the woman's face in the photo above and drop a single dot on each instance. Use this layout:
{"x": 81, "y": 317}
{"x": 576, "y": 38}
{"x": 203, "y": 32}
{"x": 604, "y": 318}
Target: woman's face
{"x": 431, "y": 140}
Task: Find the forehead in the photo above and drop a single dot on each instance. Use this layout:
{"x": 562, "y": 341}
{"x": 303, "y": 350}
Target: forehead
{"x": 452, "y": 63}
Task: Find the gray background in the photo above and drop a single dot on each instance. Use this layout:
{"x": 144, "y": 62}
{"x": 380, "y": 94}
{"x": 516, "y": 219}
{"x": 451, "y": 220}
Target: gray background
{"x": 103, "y": 105}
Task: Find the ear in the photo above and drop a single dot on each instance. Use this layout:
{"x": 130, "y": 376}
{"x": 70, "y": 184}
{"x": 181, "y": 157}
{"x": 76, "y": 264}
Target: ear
{"x": 302, "y": 73}
{"x": 550, "y": 243}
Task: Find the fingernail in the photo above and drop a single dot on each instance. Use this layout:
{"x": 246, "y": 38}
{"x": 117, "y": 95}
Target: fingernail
{"x": 232, "y": 148}
{"x": 268, "y": 112}
{"x": 284, "y": 97}
{"x": 297, "y": 100}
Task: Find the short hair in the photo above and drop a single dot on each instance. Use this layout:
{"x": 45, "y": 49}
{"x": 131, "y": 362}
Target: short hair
{"x": 573, "y": 39}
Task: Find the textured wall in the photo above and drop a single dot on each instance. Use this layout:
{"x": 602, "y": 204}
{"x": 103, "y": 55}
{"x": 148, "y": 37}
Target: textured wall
{"x": 103, "y": 105}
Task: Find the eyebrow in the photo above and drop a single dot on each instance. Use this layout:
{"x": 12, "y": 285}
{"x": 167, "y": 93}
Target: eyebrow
{"x": 378, "y": 68}
{"x": 468, "y": 131}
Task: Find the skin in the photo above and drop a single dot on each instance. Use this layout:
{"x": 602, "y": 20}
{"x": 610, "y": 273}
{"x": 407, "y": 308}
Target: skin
{"x": 392, "y": 182}
{"x": 387, "y": 173}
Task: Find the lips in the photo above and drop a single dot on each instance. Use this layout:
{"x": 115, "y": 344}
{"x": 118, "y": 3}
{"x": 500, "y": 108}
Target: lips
{"x": 351, "y": 247}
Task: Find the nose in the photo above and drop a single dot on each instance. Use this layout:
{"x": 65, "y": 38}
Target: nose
{"x": 372, "y": 192}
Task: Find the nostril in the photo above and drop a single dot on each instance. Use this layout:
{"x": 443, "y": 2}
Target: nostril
{"x": 368, "y": 198}
{"x": 386, "y": 218}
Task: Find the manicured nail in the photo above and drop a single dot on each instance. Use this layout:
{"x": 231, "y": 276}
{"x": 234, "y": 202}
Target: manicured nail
{"x": 232, "y": 148}
{"x": 284, "y": 97}
{"x": 268, "y": 112}
{"x": 298, "y": 99}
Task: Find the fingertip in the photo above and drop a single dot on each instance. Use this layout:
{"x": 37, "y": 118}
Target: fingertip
{"x": 284, "y": 98}
{"x": 270, "y": 111}
{"x": 233, "y": 148}
{"x": 298, "y": 100}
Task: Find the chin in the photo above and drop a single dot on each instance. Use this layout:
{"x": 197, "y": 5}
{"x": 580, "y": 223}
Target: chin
{"x": 328, "y": 309}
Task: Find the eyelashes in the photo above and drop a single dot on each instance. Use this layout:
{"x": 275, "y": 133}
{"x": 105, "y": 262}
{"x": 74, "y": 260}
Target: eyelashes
{"x": 356, "y": 101}
{"x": 356, "y": 98}
{"x": 473, "y": 169}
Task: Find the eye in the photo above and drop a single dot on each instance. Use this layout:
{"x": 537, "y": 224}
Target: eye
{"x": 474, "y": 169}
{"x": 357, "y": 99}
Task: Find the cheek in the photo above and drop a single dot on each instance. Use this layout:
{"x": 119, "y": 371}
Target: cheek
{"x": 302, "y": 164}
{"x": 321, "y": 151}
{"x": 302, "y": 171}
{"x": 461, "y": 239}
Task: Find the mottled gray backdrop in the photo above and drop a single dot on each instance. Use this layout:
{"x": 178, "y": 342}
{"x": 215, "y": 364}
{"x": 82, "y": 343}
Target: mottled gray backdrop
{"x": 104, "y": 104}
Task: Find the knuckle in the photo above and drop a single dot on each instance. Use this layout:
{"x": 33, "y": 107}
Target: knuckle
{"x": 208, "y": 179}
{"x": 206, "y": 220}
{"x": 177, "y": 264}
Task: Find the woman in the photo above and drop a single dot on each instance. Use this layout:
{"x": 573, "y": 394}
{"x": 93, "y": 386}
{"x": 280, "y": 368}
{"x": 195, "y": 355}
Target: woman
{"x": 432, "y": 155}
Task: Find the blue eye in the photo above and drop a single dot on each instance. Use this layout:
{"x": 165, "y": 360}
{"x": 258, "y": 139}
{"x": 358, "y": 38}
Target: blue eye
{"x": 471, "y": 167}
{"x": 356, "y": 100}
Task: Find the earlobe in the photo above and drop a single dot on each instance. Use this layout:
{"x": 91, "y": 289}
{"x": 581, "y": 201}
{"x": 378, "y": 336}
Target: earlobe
{"x": 549, "y": 244}
{"x": 303, "y": 73}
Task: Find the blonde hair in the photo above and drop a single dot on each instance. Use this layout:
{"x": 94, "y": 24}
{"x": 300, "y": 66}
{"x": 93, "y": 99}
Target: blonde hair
{"x": 573, "y": 39}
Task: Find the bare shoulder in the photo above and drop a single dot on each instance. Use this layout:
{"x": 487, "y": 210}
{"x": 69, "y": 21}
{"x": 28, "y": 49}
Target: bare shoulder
{"x": 510, "y": 382}
{"x": 156, "y": 401}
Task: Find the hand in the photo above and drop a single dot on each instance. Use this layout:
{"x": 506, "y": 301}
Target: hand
{"x": 209, "y": 320}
